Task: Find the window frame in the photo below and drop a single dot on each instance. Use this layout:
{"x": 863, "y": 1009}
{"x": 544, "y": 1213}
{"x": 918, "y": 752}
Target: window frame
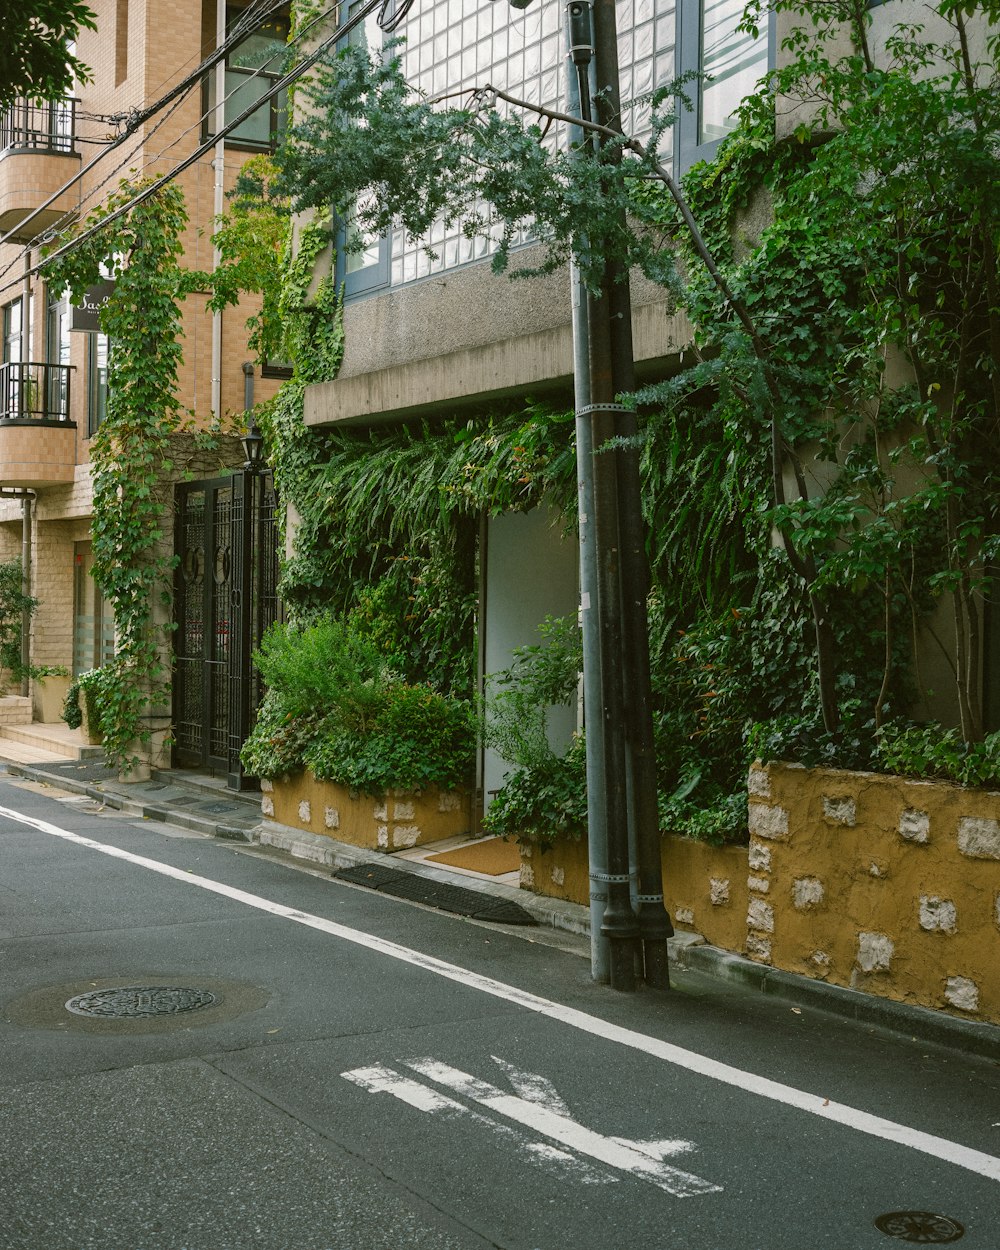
{"x": 689, "y": 57}
{"x": 275, "y": 131}
{"x": 373, "y": 277}
{"x": 96, "y": 409}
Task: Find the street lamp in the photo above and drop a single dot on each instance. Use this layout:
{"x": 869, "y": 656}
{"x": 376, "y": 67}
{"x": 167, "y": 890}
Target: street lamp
{"x": 252, "y": 440}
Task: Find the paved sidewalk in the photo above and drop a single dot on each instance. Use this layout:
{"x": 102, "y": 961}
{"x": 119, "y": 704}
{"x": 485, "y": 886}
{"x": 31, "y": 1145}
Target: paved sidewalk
{"x": 206, "y": 805}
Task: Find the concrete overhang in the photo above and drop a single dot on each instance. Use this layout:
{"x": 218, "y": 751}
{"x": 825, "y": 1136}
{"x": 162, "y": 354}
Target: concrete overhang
{"x": 470, "y": 341}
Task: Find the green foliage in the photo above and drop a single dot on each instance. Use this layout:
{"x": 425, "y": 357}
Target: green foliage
{"x": 130, "y": 453}
{"x": 97, "y": 688}
{"x": 371, "y": 149}
{"x": 388, "y": 521}
{"x": 545, "y": 802}
{"x": 34, "y": 57}
{"x": 934, "y": 752}
{"x": 334, "y": 706}
{"x": 252, "y": 239}
{"x": 13, "y": 603}
{"x": 541, "y": 677}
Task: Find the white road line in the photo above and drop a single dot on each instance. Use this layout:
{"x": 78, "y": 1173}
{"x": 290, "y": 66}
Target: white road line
{"x": 814, "y": 1104}
{"x": 614, "y": 1152}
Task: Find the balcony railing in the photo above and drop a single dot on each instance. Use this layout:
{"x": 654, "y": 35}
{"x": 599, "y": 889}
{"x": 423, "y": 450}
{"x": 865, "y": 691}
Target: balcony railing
{"x": 34, "y": 391}
{"x": 46, "y": 127}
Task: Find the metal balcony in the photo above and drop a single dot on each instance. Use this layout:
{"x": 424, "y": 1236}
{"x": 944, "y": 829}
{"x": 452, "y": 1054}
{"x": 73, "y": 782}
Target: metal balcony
{"x": 28, "y": 126}
{"x": 37, "y": 438}
{"x": 38, "y": 156}
{"x": 34, "y": 391}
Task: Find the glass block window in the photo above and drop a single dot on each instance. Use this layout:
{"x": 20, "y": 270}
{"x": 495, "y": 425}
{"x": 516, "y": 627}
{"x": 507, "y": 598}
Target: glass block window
{"x": 448, "y": 48}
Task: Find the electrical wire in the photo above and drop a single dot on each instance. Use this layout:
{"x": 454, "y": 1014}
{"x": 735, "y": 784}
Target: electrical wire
{"x": 249, "y": 18}
{"x": 393, "y": 19}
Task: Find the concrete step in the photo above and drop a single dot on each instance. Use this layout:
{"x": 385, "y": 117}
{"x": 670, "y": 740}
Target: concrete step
{"x": 57, "y": 739}
{"x": 23, "y": 753}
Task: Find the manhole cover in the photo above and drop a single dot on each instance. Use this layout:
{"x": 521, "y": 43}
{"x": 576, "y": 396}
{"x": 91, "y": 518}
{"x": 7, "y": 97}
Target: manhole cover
{"x": 920, "y": 1226}
{"x": 139, "y": 1002}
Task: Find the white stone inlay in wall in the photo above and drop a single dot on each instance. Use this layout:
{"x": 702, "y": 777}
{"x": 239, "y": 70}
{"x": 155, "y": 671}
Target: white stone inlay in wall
{"x": 684, "y": 915}
{"x": 267, "y": 805}
{"x": 875, "y": 951}
{"x": 760, "y": 915}
{"x": 938, "y": 914}
{"x": 962, "y": 993}
{"x": 807, "y": 892}
{"x": 405, "y": 835}
{"x": 759, "y": 857}
{"x": 305, "y": 811}
{"x": 718, "y": 888}
{"x": 914, "y": 826}
{"x": 760, "y": 884}
{"x": 842, "y": 810}
{"x": 759, "y": 947}
{"x": 404, "y": 811}
{"x": 558, "y": 876}
{"x": 331, "y": 818}
{"x": 759, "y": 783}
{"x": 768, "y": 822}
{"x": 979, "y": 837}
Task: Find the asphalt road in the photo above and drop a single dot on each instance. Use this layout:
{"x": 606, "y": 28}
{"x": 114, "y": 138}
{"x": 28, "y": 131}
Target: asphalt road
{"x": 369, "y": 1073}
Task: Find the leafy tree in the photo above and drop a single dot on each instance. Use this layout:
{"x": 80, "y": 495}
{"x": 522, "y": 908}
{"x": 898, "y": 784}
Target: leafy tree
{"x": 860, "y": 330}
{"x": 34, "y": 57}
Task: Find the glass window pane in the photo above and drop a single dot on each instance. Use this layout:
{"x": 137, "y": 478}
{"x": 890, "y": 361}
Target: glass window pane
{"x": 734, "y": 62}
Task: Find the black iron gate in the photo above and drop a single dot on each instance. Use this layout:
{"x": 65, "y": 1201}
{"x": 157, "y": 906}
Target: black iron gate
{"x": 225, "y": 596}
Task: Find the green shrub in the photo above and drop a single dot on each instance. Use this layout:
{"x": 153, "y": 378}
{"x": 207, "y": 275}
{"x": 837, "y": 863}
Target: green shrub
{"x": 929, "y": 751}
{"x": 546, "y": 802}
{"x": 417, "y": 738}
{"x": 334, "y": 706}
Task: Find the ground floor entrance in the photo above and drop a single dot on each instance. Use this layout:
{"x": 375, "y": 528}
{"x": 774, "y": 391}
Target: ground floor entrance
{"x": 225, "y": 597}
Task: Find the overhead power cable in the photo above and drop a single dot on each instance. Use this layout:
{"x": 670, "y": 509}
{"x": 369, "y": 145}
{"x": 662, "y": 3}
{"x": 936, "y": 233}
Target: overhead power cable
{"x": 276, "y": 88}
{"x": 136, "y": 119}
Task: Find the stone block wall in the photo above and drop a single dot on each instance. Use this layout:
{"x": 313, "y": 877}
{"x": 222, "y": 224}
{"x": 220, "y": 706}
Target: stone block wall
{"x": 705, "y": 887}
{"x": 877, "y": 883}
{"x": 392, "y": 822}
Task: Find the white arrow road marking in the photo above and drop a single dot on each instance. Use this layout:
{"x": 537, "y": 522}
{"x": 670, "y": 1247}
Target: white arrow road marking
{"x": 614, "y": 1152}
{"x": 379, "y": 1079}
{"x": 532, "y": 1087}
{"x": 938, "y": 1148}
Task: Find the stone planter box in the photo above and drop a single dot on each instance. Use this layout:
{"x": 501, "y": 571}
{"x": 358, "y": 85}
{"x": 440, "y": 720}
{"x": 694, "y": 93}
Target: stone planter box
{"x": 866, "y": 881}
{"x": 705, "y": 887}
{"x": 398, "y": 820}
{"x": 877, "y": 883}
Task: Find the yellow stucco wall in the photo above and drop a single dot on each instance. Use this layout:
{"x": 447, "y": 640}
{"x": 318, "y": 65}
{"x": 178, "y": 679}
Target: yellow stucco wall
{"x": 871, "y": 882}
{"x": 878, "y": 883}
{"x": 398, "y": 820}
{"x": 705, "y": 887}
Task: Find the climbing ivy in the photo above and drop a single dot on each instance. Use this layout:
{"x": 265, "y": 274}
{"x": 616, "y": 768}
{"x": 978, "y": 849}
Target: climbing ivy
{"x": 130, "y": 454}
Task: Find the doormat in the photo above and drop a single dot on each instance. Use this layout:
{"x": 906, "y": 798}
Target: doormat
{"x": 493, "y": 856}
{"x": 440, "y": 894}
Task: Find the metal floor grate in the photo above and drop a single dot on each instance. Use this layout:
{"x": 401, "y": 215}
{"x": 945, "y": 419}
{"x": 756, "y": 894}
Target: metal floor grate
{"x": 440, "y": 894}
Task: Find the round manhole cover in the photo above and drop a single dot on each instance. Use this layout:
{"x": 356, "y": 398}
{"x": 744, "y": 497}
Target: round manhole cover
{"x": 921, "y": 1226}
{"x": 137, "y": 1002}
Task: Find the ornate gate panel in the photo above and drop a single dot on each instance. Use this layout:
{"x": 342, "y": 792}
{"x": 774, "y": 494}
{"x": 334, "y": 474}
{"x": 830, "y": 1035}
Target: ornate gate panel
{"x": 225, "y": 597}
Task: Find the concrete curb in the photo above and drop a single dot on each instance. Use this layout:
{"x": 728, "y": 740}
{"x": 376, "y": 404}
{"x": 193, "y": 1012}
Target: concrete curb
{"x": 970, "y": 1036}
{"x": 687, "y": 950}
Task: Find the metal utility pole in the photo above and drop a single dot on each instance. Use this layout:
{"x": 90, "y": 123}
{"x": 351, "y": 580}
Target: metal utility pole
{"x": 620, "y": 758}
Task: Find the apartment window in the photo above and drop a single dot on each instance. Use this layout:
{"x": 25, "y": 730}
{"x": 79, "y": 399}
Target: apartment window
{"x": 12, "y": 331}
{"x": 731, "y": 65}
{"x": 57, "y": 343}
{"x": 252, "y": 69}
{"x": 97, "y": 381}
{"x": 363, "y": 257}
